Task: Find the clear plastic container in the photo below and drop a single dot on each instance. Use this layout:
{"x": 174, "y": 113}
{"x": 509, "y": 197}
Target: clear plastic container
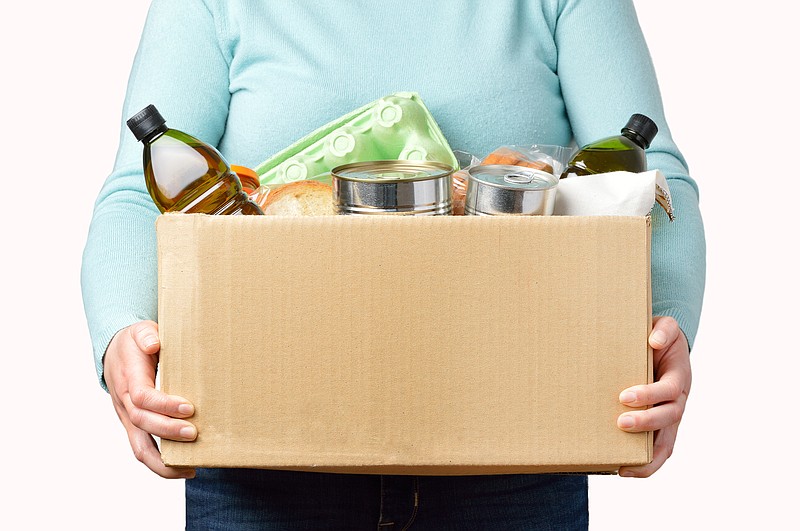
{"x": 249, "y": 178}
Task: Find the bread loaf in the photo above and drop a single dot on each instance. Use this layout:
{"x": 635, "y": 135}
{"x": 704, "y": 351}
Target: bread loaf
{"x": 301, "y": 198}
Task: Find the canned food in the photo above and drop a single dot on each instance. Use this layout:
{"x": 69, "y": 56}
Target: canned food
{"x": 400, "y": 187}
{"x": 510, "y": 190}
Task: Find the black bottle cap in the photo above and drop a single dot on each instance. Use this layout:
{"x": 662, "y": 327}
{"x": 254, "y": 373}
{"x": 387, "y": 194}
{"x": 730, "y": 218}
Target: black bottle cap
{"x": 643, "y": 127}
{"x": 145, "y": 122}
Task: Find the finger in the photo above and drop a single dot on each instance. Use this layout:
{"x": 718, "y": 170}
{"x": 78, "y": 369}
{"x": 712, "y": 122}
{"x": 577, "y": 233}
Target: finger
{"x": 145, "y": 397}
{"x": 656, "y": 418}
{"x": 665, "y": 332}
{"x": 158, "y": 424}
{"x": 146, "y": 451}
{"x": 670, "y": 387}
{"x": 145, "y": 335}
{"x": 662, "y": 450}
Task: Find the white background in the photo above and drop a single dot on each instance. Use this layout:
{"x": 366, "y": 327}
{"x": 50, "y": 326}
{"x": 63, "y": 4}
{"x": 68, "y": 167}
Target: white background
{"x": 728, "y": 72}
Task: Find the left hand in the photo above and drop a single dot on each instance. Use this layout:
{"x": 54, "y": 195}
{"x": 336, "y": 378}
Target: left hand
{"x": 668, "y": 394}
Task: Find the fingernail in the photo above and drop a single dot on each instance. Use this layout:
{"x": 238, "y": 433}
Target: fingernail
{"x": 627, "y": 396}
{"x": 185, "y": 409}
{"x": 188, "y": 432}
{"x": 625, "y": 474}
{"x": 625, "y": 421}
{"x": 658, "y": 337}
{"x": 149, "y": 341}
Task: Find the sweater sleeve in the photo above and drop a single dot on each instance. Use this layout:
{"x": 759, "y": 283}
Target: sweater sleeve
{"x": 606, "y": 74}
{"x": 182, "y": 69}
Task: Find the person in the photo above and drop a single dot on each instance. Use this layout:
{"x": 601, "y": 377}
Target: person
{"x": 252, "y": 77}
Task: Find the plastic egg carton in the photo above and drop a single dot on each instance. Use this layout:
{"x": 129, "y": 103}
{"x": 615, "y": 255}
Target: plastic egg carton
{"x": 396, "y": 127}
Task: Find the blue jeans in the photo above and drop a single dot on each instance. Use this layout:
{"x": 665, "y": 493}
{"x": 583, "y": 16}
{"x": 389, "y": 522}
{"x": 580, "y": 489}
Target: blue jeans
{"x": 240, "y": 499}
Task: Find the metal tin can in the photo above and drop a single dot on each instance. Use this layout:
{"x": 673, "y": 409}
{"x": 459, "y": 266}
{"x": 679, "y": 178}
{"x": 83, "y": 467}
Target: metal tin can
{"x": 399, "y": 187}
{"x": 510, "y": 190}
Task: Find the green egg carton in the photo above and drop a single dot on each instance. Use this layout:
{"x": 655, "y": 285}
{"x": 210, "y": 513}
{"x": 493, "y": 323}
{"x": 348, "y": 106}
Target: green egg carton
{"x": 396, "y": 127}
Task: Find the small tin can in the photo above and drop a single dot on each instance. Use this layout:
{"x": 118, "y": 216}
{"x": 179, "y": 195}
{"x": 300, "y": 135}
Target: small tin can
{"x": 399, "y": 187}
{"x": 509, "y": 190}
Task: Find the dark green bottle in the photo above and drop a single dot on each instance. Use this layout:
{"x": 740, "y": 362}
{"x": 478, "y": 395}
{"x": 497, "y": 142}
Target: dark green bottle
{"x": 624, "y": 152}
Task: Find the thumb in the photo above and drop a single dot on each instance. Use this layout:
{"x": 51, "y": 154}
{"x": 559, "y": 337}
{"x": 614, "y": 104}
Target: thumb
{"x": 145, "y": 335}
{"x": 665, "y": 332}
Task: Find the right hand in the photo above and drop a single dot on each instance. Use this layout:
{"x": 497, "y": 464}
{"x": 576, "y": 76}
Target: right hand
{"x": 130, "y": 370}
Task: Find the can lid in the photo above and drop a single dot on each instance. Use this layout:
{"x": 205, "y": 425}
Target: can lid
{"x": 392, "y": 170}
{"x": 512, "y": 177}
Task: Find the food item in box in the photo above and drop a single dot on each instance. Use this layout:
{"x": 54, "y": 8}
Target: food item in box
{"x": 252, "y": 185}
{"x": 303, "y": 198}
{"x": 259, "y": 195}
{"x": 548, "y": 158}
{"x": 460, "y": 178}
{"x": 396, "y": 127}
{"x": 623, "y": 152}
{"x": 513, "y": 157}
{"x": 465, "y": 161}
{"x": 510, "y": 190}
{"x": 184, "y": 174}
{"x": 248, "y": 177}
{"x": 397, "y": 187}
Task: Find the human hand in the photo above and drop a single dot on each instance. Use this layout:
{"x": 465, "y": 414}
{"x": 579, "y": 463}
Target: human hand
{"x": 673, "y": 375}
{"x": 130, "y": 371}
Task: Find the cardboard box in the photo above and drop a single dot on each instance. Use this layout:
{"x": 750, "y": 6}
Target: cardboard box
{"x": 405, "y": 345}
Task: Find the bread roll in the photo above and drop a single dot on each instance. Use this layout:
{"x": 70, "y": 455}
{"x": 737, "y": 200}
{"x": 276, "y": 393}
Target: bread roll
{"x": 301, "y": 198}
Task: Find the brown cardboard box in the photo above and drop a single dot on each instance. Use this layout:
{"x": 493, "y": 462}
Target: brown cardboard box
{"x": 420, "y": 345}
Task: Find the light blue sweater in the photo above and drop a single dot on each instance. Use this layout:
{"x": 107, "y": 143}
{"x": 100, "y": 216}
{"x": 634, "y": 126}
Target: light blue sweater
{"x": 254, "y": 76}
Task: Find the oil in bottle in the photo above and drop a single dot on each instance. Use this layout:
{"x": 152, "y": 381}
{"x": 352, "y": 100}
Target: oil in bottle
{"x": 624, "y": 152}
{"x": 184, "y": 174}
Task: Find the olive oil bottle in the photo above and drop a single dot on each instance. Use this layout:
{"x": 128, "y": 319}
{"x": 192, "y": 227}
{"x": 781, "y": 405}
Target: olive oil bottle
{"x": 184, "y": 174}
{"x": 624, "y": 152}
